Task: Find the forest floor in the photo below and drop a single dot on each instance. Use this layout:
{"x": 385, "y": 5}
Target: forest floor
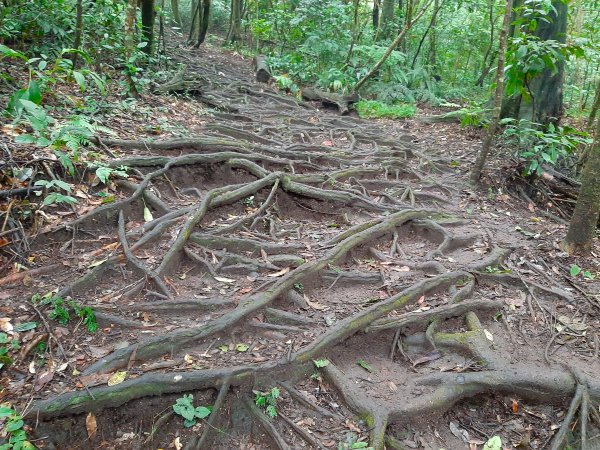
{"x": 346, "y": 262}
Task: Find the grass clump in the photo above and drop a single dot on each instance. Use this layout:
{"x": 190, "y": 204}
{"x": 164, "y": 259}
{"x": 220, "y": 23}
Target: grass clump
{"x": 368, "y": 109}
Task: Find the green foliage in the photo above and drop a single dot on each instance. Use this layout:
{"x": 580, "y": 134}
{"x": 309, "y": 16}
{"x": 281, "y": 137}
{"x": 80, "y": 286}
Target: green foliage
{"x": 61, "y": 309}
{"x": 268, "y": 401}
{"x": 8, "y": 346}
{"x": 13, "y": 425}
{"x": 353, "y": 443}
{"x": 320, "y": 363}
{"x": 369, "y": 109}
{"x": 184, "y": 407}
{"x": 541, "y": 146}
{"x": 575, "y": 270}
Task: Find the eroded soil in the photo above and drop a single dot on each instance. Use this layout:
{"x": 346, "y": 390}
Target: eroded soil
{"x": 344, "y": 261}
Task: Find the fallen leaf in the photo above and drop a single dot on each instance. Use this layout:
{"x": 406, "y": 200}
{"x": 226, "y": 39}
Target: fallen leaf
{"x": 280, "y": 273}
{"x": 188, "y": 359}
{"x": 5, "y": 324}
{"x": 515, "y": 406}
{"x": 429, "y": 357}
{"x": 460, "y": 433}
{"x": 488, "y": 335}
{"x": 43, "y": 380}
{"x": 315, "y": 305}
{"x": 91, "y": 425}
{"x": 117, "y": 378}
{"x": 148, "y": 215}
{"x": 224, "y": 280}
{"x": 401, "y": 269}
{"x": 177, "y": 443}
{"x": 392, "y": 386}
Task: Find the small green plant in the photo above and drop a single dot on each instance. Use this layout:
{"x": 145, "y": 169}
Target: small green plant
{"x": 248, "y": 201}
{"x": 60, "y": 310}
{"x": 268, "y": 401}
{"x": 352, "y": 443}
{"x": 320, "y": 363}
{"x": 12, "y": 424}
{"x": 299, "y": 288}
{"x": 575, "y": 270}
{"x": 54, "y": 196}
{"x": 372, "y": 109}
{"x": 8, "y": 346}
{"x": 184, "y": 407}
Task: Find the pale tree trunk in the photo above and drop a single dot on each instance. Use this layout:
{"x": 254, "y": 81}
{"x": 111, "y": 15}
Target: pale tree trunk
{"x": 391, "y": 48}
{"x": 387, "y": 17}
{"x": 485, "y": 65}
{"x": 130, "y": 41}
{"x": 175, "y": 12}
{"x": 487, "y": 143}
{"x": 235, "y": 22}
{"x": 582, "y": 227}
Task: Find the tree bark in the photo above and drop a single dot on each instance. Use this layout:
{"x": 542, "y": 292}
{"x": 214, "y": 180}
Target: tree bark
{"x": 582, "y": 227}
{"x": 387, "y": 17}
{"x": 175, "y": 12}
{"x": 485, "y": 149}
{"x": 205, "y": 13}
{"x": 130, "y": 41}
{"x": 78, "y": 30}
{"x": 546, "y": 88}
{"x": 147, "y": 7}
{"x": 376, "y": 15}
{"x": 235, "y": 22}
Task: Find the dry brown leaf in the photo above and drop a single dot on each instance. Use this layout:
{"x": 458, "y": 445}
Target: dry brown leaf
{"x": 43, "y": 380}
{"x": 315, "y": 305}
{"x": 91, "y": 425}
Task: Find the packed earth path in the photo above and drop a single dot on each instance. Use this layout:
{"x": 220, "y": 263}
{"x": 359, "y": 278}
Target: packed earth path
{"x": 313, "y": 280}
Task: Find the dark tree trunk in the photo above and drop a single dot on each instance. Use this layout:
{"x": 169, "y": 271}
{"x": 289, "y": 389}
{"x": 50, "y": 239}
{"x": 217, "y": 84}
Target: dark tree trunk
{"x": 148, "y": 25}
{"x": 546, "y": 89}
{"x": 582, "y": 227}
{"x": 175, "y": 12}
{"x": 376, "y": 15}
{"x": 78, "y": 30}
{"x": 204, "y": 22}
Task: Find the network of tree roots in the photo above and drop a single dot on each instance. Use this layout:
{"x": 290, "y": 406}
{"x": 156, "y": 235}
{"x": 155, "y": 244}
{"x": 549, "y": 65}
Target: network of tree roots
{"x": 306, "y": 236}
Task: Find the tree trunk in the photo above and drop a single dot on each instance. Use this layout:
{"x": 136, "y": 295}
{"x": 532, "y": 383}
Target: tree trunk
{"x": 148, "y": 24}
{"x": 432, "y": 56}
{"x": 546, "y": 89}
{"x": 487, "y": 144}
{"x": 595, "y": 106}
{"x": 235, "y": 22}
{"x": 375, "y": 15}
{"x": 175, "y": 12}
{"x": 130, "y": 41}
{"x": 582, "y": 227}
{"x": 391, "y": 48}
{"x": 204, "y": 13}
{"x": 78, "y": 30}
{"x": 387, "y": 18}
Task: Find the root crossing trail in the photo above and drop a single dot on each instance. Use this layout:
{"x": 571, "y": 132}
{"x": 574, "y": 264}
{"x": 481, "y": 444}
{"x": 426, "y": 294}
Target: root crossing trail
{"x": 292, "y": 248}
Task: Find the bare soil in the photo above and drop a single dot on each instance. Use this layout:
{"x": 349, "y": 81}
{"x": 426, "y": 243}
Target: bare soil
{"x": 345, "y": 261}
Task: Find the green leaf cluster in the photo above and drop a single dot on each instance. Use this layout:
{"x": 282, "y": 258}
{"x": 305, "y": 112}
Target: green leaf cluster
{"x": 184, "y": 407}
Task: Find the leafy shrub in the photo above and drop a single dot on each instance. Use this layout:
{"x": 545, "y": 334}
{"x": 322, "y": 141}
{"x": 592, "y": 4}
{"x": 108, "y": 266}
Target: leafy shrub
{"x": 538, "y": 145}
{"x": 374, "y": 109}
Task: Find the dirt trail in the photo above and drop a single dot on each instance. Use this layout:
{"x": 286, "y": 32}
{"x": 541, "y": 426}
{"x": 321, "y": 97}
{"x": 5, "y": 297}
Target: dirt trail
{"x": 340, "y": 260}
